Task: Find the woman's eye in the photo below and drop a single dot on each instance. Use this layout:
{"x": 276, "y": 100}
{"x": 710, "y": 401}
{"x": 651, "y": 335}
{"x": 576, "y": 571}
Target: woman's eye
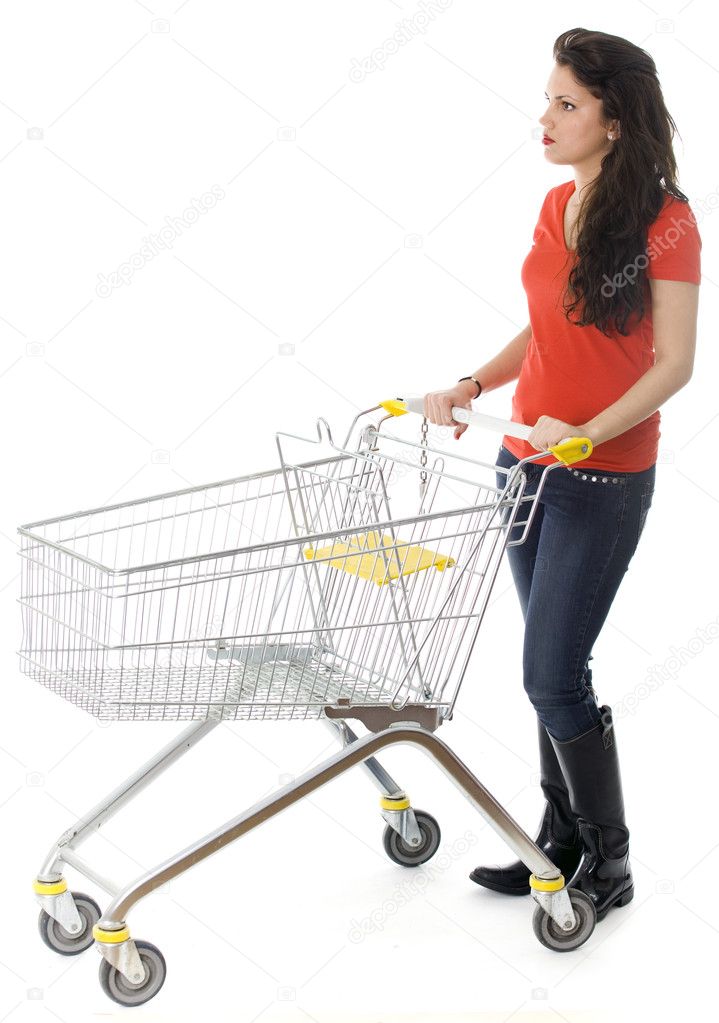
{"x": 565, "y": 103}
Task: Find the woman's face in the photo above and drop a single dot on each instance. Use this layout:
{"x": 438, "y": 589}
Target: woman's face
{"x": 573, "y": 121}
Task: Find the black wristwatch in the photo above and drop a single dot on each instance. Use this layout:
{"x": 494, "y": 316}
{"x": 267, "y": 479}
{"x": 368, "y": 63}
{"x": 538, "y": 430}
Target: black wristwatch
{"x": 479, "y": 386}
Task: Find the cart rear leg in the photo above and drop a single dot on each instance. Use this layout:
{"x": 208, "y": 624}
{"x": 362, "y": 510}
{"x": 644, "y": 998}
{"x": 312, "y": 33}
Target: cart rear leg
{"x": 412, "y": 836}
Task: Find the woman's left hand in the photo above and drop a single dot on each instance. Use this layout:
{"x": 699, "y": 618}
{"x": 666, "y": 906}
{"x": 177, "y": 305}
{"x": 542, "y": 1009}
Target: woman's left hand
{"x": 548, "y": 431}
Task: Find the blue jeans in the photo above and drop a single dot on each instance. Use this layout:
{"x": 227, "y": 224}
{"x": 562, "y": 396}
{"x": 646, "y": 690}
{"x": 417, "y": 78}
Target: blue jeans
{"x": 567, "y": 573}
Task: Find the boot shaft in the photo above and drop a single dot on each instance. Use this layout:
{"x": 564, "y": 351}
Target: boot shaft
{"x": 590, "y": 766}
{"x": 559, "y": 823}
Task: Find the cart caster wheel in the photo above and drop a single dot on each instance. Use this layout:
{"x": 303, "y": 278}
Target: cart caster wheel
{"x": 412, "y": 856}
{"x": 65, "y": 942}
{"x": 123, "y": 991}
{"x": 554, "y": 937}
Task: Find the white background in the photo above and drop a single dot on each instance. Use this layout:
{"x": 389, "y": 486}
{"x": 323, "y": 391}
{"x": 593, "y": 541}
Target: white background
{"x": 377, "y": 228}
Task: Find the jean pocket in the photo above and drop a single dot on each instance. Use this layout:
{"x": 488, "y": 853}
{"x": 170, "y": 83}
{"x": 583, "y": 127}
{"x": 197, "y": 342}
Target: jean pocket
{"x": 645, "y": 503}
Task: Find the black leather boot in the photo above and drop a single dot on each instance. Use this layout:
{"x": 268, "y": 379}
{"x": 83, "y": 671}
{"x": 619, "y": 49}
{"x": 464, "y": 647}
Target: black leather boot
{"x": 590, "y": 765}
{"x": 558, "y": 834}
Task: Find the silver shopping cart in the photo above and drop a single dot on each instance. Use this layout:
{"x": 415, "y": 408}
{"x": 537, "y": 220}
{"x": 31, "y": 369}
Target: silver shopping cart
{"x": 324, "y": 589}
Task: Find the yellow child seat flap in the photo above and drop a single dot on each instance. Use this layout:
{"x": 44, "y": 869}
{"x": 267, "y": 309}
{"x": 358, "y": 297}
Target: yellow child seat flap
{"x": 382, "y": 566}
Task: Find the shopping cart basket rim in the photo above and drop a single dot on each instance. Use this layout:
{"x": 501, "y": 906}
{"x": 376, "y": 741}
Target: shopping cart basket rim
{"x": 27, "y": 529}
{"x": 266, "y": 545}
{"x": 176, "y": 493}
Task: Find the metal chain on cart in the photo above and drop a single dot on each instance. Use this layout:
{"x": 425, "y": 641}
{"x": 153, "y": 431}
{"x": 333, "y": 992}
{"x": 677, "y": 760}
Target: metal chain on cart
{"x": 423, "y": 461}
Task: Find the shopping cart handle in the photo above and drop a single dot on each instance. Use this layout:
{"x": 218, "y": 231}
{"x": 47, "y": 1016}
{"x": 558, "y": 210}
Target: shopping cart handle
{"x": 568, "y": 450}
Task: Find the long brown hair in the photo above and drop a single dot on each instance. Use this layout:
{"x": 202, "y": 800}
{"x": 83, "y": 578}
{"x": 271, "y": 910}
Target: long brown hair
{"x": 636, "y": 174}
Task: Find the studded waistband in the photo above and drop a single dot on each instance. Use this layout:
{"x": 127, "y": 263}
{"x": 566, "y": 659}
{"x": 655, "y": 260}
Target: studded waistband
{"x": 594, "y": 479}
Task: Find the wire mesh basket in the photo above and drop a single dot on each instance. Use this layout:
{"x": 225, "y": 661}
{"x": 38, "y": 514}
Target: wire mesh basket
{"x": 272, "y": 595}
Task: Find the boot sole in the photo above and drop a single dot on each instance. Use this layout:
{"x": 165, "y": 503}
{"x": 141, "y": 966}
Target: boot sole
{"x": 503, "y": 889}
{"x": 622, "y": 900}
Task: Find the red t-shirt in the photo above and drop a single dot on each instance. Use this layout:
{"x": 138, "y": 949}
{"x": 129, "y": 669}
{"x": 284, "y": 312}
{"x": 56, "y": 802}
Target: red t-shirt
{"x": 573, "y": 373}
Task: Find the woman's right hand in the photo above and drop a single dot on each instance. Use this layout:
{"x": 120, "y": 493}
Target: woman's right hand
{"x": 438, "y": 405}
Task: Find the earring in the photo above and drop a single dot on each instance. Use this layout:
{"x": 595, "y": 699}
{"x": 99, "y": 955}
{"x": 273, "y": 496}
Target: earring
{"x": 610, "y": 135}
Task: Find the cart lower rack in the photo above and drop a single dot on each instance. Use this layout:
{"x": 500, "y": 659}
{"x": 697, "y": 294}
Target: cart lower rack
{"x": 318, "y": 591}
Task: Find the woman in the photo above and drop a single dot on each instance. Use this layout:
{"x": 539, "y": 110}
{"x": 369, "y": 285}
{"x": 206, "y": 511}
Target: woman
{"x": 612, "y": 283}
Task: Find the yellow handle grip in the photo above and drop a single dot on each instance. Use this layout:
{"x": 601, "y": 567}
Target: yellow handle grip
{"x": 572, "y": 449}
{"x": 395, "y": 406}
